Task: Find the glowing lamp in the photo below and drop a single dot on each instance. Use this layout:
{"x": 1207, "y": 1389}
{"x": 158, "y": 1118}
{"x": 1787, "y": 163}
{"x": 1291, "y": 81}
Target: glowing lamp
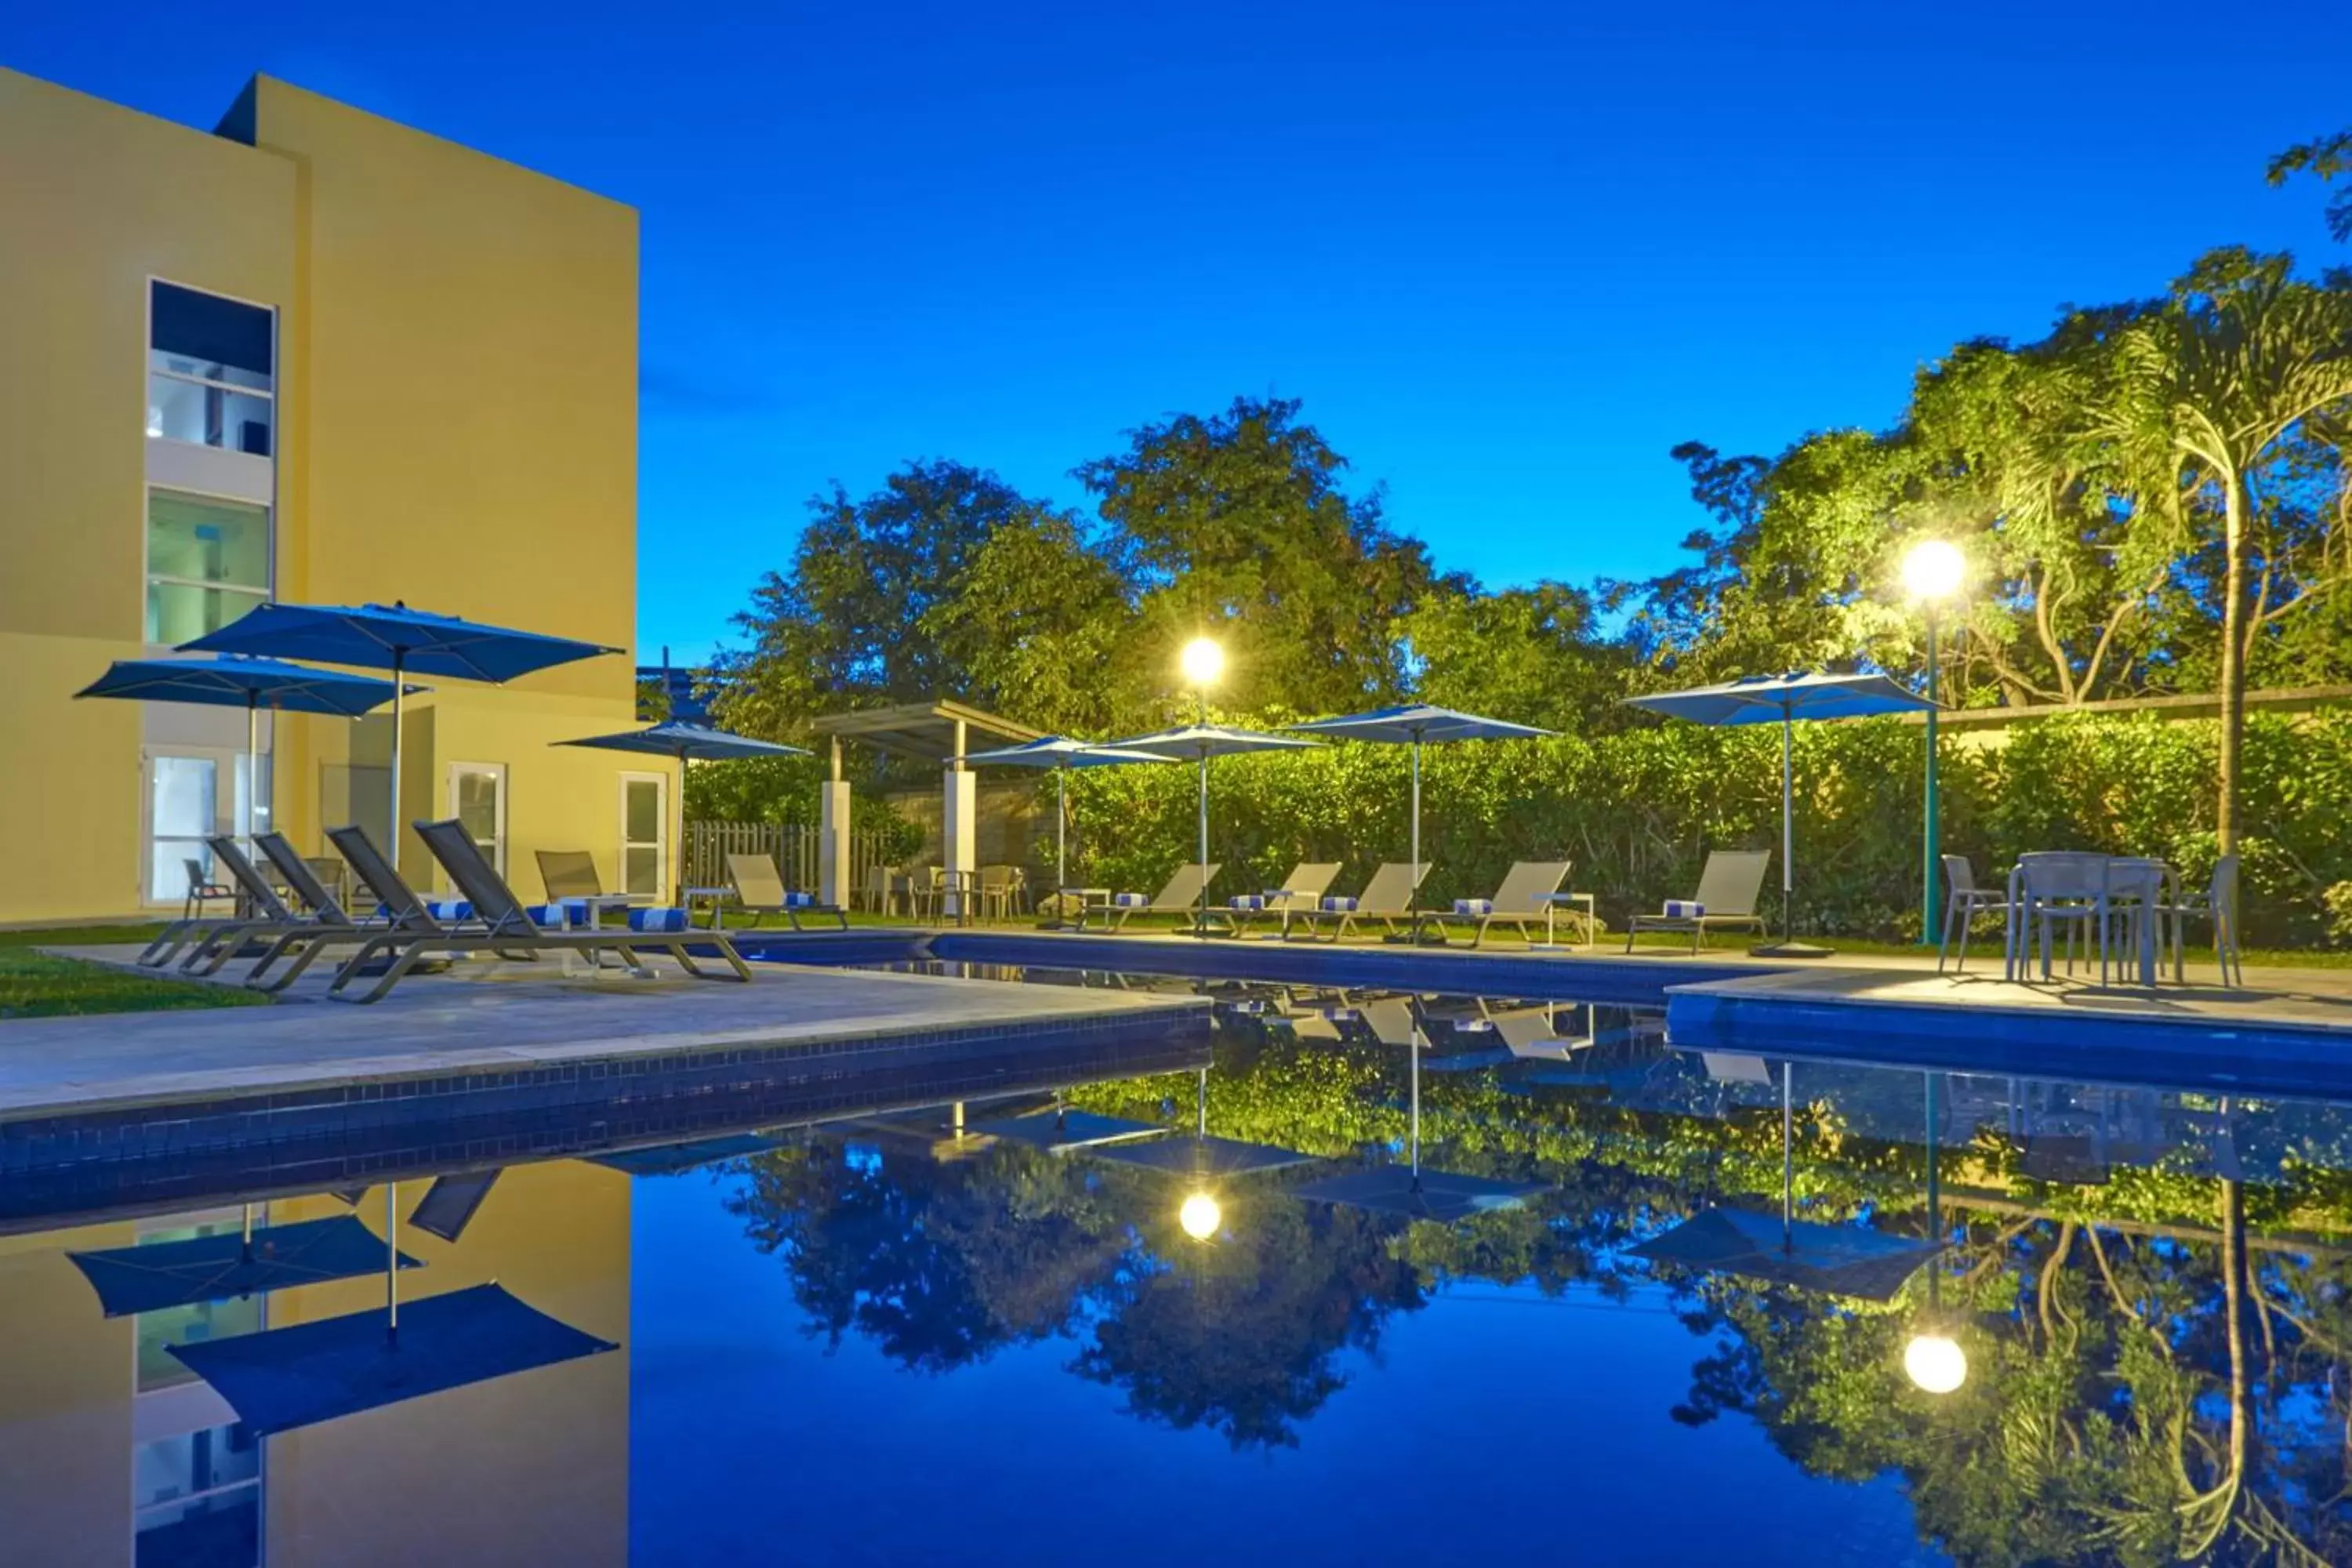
{"x": 1202, "y": 661}
{"x": 1936, "y": 1363}
{"x": 1934, "y": 570}
{"x": 1200, "y": 1216}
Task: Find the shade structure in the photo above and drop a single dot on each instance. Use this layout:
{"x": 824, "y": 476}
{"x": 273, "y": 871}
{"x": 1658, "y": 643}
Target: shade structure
{"x": 283, "y": 1379}
{"x": 688, "y": 744}
{"x": 222, "y": 1267}
{"x": 395, "y": 637}
{"x": 1201, "y": 742}
{"x": 1060, "y": 753}
{"x": 240, "y": 680}
{"x": 1418, "y": 725}
{"x": 1783, "y": 699}
{"x": 1838, "y": 1259}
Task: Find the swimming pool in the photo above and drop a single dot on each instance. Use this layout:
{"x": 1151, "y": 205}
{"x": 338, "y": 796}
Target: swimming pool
{"x": 1585, "y": 1333}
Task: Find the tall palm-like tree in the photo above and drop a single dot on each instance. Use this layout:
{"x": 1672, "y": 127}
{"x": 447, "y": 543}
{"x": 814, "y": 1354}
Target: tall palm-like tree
{"x": 2241, "y": 356}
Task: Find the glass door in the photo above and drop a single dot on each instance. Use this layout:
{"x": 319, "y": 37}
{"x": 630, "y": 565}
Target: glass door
{"x": 644, "y": 834}
{"x": 183, "y": 811}
{"x": 477, "y": 798}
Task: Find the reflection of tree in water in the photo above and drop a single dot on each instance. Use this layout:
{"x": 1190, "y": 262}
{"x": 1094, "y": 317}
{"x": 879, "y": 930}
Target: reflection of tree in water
{"x": 2132, "y": 1399}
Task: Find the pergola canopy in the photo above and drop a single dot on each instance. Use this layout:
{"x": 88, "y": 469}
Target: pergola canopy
{"x": 927, "y": 731}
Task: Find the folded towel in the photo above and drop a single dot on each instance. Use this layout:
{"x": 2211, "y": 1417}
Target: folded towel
{"x": 576, "y": 912}
{"x": 800, "y": 901}
{"x": 1131, "y": 900}
{"x": 658, "y": 920}
{"x": 447, "y": 910}
{"x": 548, "y": 917}
{"x": 1337, "y": 905}
{"x": 1473, "y": 906}
{"x": 1248, "y": 901}
{"x": 1684, "y": 908}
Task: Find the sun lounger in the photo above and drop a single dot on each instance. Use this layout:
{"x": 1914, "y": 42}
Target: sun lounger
{"x": 266, "y": 912}
{"x": 1300, "y": 892}
{"x": 497, "y": 922}
{"x": 1181, "y": 896}
{"x": 199, "y": 929}
{"x": 328, "y": 921}
{"x": 1524, "y": 899}
{"x": 1728, "y": 887}
{"x": 760, "y": 890}
{"x": 1387, "y": 897}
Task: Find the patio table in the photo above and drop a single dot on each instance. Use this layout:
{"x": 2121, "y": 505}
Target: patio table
{"x": 2133, "y": 886}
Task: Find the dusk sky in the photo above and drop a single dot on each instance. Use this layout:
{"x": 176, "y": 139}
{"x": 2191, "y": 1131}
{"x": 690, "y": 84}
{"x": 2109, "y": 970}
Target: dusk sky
{"x": 1509, "y": 255}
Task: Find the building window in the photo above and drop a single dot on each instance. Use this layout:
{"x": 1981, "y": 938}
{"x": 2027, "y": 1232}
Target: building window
{"x": 208, "y": 564}
{"x": 198, "y": 1497}
{"x": 477, "y": 798}
{"x": 185, "y": 808}
{"x": 210, "y": 376}
{"x": 644, "y": 827}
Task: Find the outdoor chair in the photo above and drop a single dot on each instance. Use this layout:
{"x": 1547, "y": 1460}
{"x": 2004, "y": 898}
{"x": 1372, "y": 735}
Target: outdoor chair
{"x": 330, "y": 873}
{"x": 1525, "y": 897}
{"x": 330, "y": 921}
{"x": 498, "y": 923}
{"x": 568, "y": 874}
{"x": 1387, "y": 897}
{"x": 881, "y": 882}
{"x": 253, "y": 894}
{"x": 1728, "y": 887}
{"x": 760, "y": 890}
{"x": 1300, "y": 892}
{"x": 1181, "y": 896}
{"x": 2053, "y": 891}
{"x": 2218, "y": 905}
{"x": 203, "y": 890}
{"x": 1000, "y": 887}
{"x": 1963, "y": 902}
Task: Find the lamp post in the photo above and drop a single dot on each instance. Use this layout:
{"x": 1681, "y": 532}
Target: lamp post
{"x": 1932, "y": 574}
{"x": 1202, "y": 662}
{"x": 1932, "y": 1359}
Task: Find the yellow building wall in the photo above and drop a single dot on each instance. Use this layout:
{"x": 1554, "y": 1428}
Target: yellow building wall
{"x": 65, "y": 1375}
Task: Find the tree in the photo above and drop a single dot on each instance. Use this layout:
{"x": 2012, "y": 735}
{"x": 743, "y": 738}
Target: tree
{"x": 2326, "y": 157}
{"x": 2212, "y": 391}
{"x": 1236, "y": 524}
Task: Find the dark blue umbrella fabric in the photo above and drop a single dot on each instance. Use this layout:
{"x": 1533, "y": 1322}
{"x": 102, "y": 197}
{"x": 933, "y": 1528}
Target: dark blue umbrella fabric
{"x": 1783, "y": 699}
{"x": 1417, "y": 724}
{"x": 286, "y": 1378}
{"x": 404, "y": 641}
{"x": 221, "y": 1268}
{"x": 688, "y": 744}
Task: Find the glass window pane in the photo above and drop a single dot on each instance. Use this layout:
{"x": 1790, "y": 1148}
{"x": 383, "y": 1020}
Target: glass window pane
{"x": 177, "y": 612}
{"x": 184, "y": 794}
{"x": 172, "y": 1468}
{"x": 182, "y": 410}
{"x": 219, "y": 1531}
{"x": 199, "y": 540}
{"x": 157, "y": 1368}
{"x": 167, "y": 876}
{"x": 641, "y": 871}
{"x": 222, "y": 340}
{"x": 477, "y": 804}
{"x": 643, "y": 823}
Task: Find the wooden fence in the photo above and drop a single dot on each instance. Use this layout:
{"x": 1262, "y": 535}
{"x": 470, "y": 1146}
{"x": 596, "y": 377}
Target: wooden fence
{"x": 792, "y": 846}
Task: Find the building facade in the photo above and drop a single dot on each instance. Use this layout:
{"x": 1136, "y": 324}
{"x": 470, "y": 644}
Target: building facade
{"x": 315, "y": 356}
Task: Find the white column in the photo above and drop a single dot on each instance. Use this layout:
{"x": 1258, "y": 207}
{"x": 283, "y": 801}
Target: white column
{"x": 958, "y": 813}
{"x": 833, "y": 836}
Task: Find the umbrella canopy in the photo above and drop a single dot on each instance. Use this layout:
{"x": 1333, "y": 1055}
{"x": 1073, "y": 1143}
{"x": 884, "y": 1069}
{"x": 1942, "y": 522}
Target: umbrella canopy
{"x": 688, "y": 744}
{"x": 284, "y": 1378}
{"x": 239, "y": 680}
{"x": 404, "y": 641}
{"x": 1783, "y": 700}
{"x": 149, "y": 1279}
{"x": 1060, "y": 753}
{"x": 1202, "y": 741}
{"x": 1417, "y": 725}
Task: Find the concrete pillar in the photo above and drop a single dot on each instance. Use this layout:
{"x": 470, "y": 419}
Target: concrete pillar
{"x": 833, "y": 836}
{"x": 959, "y": 824}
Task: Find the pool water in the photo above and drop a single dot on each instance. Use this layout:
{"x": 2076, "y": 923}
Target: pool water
{"x": 1444, "y": 1308}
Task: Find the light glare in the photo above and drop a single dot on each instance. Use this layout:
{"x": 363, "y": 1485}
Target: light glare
{"x": 1200, "y": 1216}
{"x": 1934, "y": 570}
{"x": 1204, "y": 661}
{"x": 1936, "y": 1363}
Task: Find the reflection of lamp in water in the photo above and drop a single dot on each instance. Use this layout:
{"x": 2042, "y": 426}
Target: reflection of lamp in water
{"x": 1932, "y": 1359}
{"x": 1200, "y": 1216}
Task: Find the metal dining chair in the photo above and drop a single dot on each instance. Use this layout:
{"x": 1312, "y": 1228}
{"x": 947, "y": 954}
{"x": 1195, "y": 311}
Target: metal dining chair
{"x": 1963, "y": 902}
{"x": 2054, "y": 889}
{"x": 2219, "y": 906}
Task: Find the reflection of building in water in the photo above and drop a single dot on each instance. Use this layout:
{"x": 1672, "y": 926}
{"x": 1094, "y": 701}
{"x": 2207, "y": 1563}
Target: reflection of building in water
{"x": 117, "y": 1454}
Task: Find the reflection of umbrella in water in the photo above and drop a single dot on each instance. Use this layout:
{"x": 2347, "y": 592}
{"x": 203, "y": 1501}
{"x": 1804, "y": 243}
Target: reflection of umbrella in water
{"x": 1838, "y": 1259}
{"x": 1410, "y": 1191}
{"x": 222, "y": 1267}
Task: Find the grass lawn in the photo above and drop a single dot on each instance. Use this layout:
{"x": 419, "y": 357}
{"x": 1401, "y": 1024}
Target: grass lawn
{"x": 36, "y": 985}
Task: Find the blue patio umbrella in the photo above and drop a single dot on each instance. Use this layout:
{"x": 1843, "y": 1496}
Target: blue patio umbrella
{"x": 688, "y": 744}
{"x": 238, "y": 681}
{"x": 1783, "y": 699}
{"x": 282, "y": 1379}
{"x": 1417, "y": 725}
{"x": 222, "y": 1267}
{"x": 1061, "y": 753}
{"x": 1202, "y": 741}
{"x": 404, "y": 641}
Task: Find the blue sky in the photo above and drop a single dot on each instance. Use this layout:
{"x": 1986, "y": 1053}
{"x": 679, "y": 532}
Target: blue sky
{"x": 1508, "y": 254}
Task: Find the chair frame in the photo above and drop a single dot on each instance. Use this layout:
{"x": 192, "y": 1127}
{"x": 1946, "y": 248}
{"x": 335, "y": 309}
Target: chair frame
{"x": 757, "y": 908}
{"x": 1165, "y": 903}
{"x": 1964, "y": 900}
{"x": 1699, "y": 925}
{"x": 1509, "y": 893}
{"x": 1308, "y": 881}
{"x": 1346, "y": 920}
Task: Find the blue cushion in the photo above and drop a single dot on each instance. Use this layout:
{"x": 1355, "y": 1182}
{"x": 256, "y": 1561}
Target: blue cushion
{"x": 1248, "y": 901}
{"x": 1684, "y": 908}
{"x": 449, "y": 910}
{"x": 1338, "y": 905}
{"x": 658, "y": 920}
{"x": 1473, "y": 906}
{"x": 799, "y": 900}
{"x": 547, "y": 917}
{"x": 576, "y": 911}
{"x": 1131, "y": 900}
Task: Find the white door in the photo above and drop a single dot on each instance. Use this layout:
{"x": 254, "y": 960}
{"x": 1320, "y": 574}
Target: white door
{"x": 184, "y": 805}
{"x": 477, "y": 798}
{"x": 644, "y": 834}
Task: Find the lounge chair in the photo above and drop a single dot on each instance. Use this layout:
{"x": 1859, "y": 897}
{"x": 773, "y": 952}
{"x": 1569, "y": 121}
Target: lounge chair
{"x": 1387, "y": 897}
{"x": 760, "y": 890}
{"x": 210, "y": 943}
{"x": 497, "y": 922}
{"x": 1728, "y": 887}
{"x": 1524, "y": 898}
{"x": 1300, "y": 892}
{"x": 1181, "y": 896}
{"x": 328, "y": 921}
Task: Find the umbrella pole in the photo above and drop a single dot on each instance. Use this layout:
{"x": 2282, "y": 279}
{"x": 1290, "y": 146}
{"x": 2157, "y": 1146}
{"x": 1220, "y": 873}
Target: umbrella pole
{"x": 1202, "y": 925}
{"x": 1413, "y": 1042}
{"x": 392, "y": 827}
{"x": 392, "y": 1265}
{"x": 1062, "y": 877}
{"x": 677, "y": 850}
{"x": 252, "y": 762}
{"x": 1413, "y": 903}
{"x": 1787, "y": 1159}
{"x": 1788, "y": 828}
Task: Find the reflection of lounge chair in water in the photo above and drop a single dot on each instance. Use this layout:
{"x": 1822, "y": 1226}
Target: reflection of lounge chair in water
{"x": 1535, "y": 1034}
